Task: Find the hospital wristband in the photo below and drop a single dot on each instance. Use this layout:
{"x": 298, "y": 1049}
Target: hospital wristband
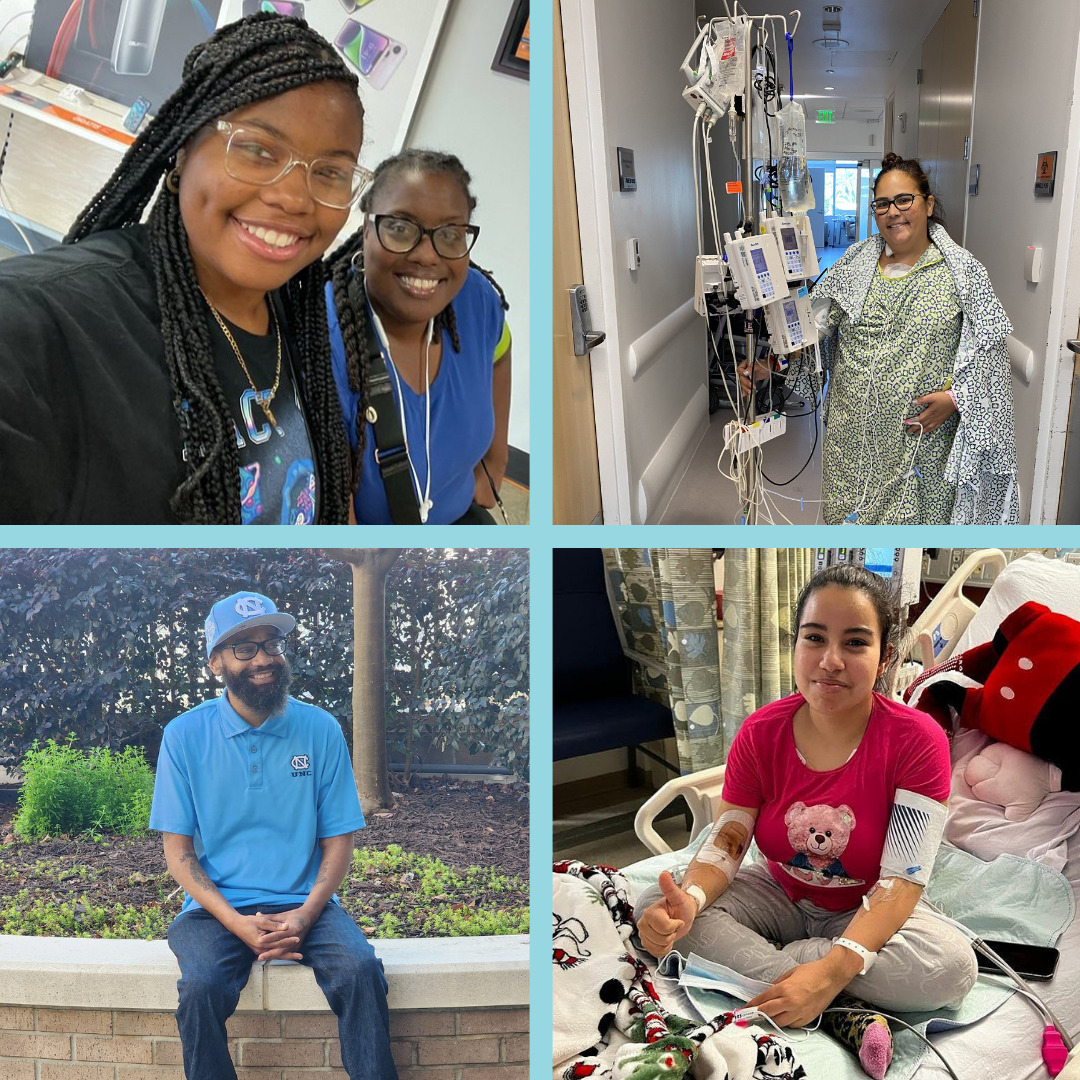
{"x": 863, "y": 953}
{"x": 698, "y": 893}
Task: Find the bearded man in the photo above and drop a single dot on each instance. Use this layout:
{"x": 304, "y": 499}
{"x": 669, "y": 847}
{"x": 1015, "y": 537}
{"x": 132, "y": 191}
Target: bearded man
{"x": 257, "y": 803}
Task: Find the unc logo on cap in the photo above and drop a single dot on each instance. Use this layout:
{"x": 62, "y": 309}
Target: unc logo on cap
{"x": 247, "y": 607}
{"x": 301, "y": 765}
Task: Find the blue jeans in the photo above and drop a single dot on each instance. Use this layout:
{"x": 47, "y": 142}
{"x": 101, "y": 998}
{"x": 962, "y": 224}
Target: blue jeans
{"x": 215, "y": 965}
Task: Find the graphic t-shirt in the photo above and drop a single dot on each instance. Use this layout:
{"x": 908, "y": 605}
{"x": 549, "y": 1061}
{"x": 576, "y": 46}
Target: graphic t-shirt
{"x": 823, "y": 832}
{"x": 278, "y": 482}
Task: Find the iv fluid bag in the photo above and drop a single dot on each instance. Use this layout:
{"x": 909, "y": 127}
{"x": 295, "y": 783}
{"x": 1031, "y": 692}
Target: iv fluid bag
{"x": 718, "y": 74}
{"x": 796, "y": 191}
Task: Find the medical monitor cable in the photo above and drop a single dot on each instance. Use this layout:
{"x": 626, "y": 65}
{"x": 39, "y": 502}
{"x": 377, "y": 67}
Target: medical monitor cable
{"x": 1056, "y": 1041}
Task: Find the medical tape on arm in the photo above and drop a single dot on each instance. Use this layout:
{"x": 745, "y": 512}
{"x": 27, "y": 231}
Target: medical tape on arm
{"x": 727, "y": 858}
{"x": 911, "y": 844}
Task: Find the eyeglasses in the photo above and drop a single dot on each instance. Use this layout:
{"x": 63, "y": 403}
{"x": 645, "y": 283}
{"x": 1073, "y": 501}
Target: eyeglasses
{"x": 901, "y": 202}
{"x": 248, "y": 650}
{"x": 400, "y": 235}
{"x": 255, "y": 157}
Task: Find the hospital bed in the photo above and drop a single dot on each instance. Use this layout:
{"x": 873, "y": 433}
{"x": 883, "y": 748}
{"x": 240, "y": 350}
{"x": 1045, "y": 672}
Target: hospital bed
{"x": 1007, "y": 1043}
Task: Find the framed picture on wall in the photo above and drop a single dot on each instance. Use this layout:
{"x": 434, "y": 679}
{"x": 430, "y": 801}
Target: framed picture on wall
{"x": 512, "y": 55}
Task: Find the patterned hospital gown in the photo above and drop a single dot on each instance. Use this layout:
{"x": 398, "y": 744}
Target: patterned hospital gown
{"x": 903, "y": 347}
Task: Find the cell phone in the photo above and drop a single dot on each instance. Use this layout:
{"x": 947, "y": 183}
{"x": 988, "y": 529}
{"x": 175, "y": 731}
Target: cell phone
{"x": 374, "y": 55}
{"x": 275, "y": 7}
{"x": 352, "y": 5}
{"x": 136, "y": 114}
{"x": 136, "y": 40}
{"x": 1030, "y": 961}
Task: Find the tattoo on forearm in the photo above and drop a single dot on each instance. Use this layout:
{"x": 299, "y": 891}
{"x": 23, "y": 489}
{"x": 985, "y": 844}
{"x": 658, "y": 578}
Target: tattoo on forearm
{"x": 198, "y": 874}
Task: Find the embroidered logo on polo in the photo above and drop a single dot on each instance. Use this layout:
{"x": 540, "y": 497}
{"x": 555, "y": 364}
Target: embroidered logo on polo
{"x": 249, "y": 606}
{"x": 301, "y": 765}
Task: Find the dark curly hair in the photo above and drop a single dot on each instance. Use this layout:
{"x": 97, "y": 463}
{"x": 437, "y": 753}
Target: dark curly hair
{"x": 348, "y": 259}
{"x": 912, "y": 168}
{"x": 244, "y": 62}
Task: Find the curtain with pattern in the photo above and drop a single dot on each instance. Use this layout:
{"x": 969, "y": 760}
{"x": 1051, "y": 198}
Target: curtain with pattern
{"x": 761, "y": 587}
{"x": 664, "y": 601}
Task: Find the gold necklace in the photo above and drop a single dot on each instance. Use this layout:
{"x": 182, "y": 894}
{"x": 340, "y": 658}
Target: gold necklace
{"x": 262, "y": 397}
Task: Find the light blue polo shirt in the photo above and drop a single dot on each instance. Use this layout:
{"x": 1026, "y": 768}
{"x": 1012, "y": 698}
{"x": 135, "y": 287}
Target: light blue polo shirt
{"x": 256, "y": 800}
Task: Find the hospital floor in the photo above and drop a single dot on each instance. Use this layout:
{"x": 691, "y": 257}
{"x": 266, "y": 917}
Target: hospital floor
{"x": 704, "y": 497}
{"x": 599, "y": 830}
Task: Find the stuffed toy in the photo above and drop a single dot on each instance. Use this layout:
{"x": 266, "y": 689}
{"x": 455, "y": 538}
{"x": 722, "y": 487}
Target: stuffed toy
{"x": 1030, "y": 673}
{"x": 1008, "y": 777}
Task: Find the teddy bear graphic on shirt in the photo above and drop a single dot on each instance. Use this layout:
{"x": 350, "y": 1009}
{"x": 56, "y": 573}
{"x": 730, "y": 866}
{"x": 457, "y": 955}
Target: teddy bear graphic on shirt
{"x": 819, "y": 834}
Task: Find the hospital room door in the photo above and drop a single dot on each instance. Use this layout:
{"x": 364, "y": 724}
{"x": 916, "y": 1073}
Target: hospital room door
{"x": 946, "y": 101}
{"x": 575, "y": 470}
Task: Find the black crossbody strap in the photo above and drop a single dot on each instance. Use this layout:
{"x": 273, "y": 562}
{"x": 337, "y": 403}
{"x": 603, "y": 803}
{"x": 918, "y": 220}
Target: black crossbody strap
{"x": 391, "y": 448}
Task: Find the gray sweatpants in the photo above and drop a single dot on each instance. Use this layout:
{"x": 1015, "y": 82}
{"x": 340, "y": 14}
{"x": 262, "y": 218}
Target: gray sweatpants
{"x": 926, "y": 964}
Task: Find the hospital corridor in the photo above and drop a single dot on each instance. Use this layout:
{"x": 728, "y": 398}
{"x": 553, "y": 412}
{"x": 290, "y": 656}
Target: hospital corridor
{"x": 816, "y": 266}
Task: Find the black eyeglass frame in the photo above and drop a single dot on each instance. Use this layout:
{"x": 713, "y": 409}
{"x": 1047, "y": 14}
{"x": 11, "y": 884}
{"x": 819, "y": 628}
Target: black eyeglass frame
{"x": 473, "y": 232}
{"x": 280, "y": 644}
{"x": 912, "y": 195}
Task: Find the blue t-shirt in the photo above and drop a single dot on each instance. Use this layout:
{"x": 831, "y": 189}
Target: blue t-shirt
{"x": 462, "y": 409}
{"x": 256, "y": 800}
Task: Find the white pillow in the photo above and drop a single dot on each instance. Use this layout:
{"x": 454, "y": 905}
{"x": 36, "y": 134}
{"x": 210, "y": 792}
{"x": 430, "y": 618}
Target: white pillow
{"x": 1033, "y": 577}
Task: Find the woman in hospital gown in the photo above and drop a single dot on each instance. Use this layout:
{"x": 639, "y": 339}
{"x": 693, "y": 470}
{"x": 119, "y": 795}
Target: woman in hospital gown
{"x": 918, "y": 410}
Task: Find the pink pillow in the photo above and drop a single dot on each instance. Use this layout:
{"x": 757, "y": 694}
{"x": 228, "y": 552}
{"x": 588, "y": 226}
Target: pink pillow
{"x": 986, "y": 831}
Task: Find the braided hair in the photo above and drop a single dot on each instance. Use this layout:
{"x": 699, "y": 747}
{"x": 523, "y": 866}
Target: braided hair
{"x": 244, "y": 62}
{"x": 348, "y": 259}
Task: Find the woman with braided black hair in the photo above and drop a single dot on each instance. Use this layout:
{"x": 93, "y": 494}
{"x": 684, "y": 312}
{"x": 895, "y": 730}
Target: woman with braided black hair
{"x": 419, "y": 339}
{"x": 179, "y": 371}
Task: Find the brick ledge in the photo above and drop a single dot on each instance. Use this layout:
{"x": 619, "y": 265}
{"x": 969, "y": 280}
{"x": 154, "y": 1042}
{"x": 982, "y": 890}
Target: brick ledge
{"x": 422, "y": 973}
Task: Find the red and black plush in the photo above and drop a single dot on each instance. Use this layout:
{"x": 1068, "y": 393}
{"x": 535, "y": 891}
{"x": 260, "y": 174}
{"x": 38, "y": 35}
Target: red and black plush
{"x": 1030, "y": 673}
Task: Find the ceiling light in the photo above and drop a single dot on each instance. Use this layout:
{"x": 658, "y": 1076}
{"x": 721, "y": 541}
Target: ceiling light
{"x": 828, "y": 87}
{"x": 831, "y": 42}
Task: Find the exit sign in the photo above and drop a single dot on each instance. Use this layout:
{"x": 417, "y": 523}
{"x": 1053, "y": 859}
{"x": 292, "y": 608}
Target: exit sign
{"x": 825, "y": 116}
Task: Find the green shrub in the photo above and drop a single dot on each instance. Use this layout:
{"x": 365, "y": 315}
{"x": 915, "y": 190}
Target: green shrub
{"x": 67, "y": 791}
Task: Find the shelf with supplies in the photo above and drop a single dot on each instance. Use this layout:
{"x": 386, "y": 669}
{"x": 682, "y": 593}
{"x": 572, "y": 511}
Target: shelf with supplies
{"x": 62, "y": 144}
{"x": 66, "y": 107}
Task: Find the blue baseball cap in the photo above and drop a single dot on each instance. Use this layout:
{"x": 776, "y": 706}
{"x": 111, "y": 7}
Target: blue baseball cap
{"x": 241, "y": 611}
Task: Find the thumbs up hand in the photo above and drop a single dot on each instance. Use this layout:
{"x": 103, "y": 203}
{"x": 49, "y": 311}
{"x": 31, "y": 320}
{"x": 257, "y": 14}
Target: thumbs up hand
{"x": 661, "y": 924}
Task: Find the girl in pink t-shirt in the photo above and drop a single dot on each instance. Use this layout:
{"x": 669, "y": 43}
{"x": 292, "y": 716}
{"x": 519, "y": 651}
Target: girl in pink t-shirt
{"x": 844, "y": 791}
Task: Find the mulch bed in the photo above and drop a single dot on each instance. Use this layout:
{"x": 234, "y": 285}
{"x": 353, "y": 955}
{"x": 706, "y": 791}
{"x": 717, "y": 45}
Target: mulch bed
{"x": 462, "y": 823}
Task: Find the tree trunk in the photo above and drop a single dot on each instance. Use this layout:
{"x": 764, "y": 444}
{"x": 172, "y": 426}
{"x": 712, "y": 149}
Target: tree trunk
{"x": 369, "y": 569}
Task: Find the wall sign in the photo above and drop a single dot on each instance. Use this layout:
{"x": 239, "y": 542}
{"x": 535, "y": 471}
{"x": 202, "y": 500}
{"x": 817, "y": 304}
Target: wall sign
{"x": 1044, "y": 174}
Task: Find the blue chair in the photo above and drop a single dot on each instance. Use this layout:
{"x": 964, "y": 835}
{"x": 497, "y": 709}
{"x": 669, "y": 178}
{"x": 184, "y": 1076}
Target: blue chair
{"x": 595, "y": 708}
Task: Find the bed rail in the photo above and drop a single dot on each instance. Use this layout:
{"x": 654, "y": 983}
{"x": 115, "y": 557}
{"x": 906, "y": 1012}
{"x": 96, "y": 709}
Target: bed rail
{"x": 701, "y": 790}
{"x": 932, "y": 637}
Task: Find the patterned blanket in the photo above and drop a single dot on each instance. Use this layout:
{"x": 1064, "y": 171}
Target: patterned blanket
{"x": 607, "y": 1017}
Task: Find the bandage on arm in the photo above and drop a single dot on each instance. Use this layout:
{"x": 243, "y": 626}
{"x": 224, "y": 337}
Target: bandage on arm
{"x": 718, "y": 859}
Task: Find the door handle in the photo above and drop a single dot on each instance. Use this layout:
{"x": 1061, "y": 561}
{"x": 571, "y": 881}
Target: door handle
{"x": 585, "y": 338}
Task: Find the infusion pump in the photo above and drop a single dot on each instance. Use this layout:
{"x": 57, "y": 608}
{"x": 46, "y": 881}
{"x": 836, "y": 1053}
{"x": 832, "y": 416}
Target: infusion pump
{"x": 795, "y": 242}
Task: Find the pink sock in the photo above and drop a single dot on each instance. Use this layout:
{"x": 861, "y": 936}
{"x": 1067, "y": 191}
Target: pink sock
{"x": 875, "y": 1054}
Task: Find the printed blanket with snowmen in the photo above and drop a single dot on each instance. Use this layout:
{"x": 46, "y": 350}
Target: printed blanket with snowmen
{"x": 608, "y": 1020}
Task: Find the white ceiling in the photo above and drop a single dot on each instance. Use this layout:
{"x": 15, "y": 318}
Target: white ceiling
{"x": 882, "y": 34}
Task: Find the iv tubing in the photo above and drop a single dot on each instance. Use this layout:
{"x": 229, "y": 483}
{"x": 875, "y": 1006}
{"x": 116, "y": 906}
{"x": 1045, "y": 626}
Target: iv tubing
{"x": 1055, "y": 1031}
